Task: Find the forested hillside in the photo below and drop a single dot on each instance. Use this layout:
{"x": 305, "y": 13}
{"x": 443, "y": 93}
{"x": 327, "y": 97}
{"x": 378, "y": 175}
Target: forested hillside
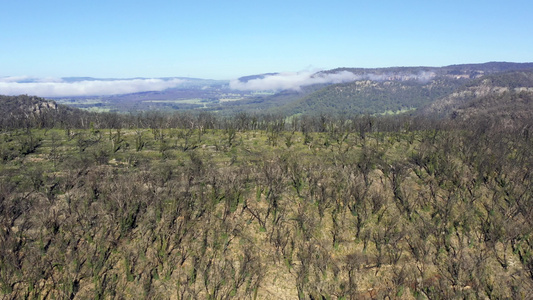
{"x": 372, "y": 97}
{"x": 256, "y": 206}
{"x": 506, "y": 97}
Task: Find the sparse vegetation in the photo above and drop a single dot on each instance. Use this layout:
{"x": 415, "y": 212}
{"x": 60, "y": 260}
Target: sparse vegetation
{"x": 189, "y": 205}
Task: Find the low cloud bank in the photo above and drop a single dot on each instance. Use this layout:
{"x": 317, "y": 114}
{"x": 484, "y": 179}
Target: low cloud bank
{"x": 295, "y": 81}
{"x": 59, "y": 88}
{"x": 290, "y": 81}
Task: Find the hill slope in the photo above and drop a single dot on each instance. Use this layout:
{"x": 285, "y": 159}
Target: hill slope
{"x": 370, "y": 97}
{"x": 504, "y": 96}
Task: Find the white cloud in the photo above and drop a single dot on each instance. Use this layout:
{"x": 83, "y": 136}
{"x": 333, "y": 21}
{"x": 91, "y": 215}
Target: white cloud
{"x": 294, "y": 81}
{"x": 291, "y": 81}
{"x": 50, "y": 87}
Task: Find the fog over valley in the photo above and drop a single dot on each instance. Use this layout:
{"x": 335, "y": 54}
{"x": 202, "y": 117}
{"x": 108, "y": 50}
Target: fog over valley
{"x": 57, "y": 87}
{"x": 85, "y": 86}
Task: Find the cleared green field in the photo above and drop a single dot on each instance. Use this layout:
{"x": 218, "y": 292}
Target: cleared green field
{"x": 80, "y": 101}
{"x": 97, "y": 109}
{"x": 188, "y": 101}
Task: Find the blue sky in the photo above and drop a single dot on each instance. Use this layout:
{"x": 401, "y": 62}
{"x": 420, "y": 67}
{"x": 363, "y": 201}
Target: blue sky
{"x": 228, "y": 39}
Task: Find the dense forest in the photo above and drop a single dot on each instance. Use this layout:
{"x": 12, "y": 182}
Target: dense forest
{"x": 257, "y": 206}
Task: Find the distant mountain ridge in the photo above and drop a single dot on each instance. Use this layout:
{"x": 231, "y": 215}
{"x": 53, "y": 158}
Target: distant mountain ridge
{"x": 396, "y": 89}
{"x": 471, "y": 70}
{"x": 341, "y": 90}
{"x": 504, "y": 99}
